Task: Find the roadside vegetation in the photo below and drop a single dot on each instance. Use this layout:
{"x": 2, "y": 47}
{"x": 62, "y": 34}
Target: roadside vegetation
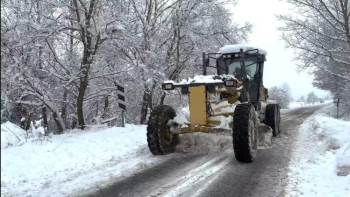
{"x": 62, "y": 61}
{"x": 319, "y": 31}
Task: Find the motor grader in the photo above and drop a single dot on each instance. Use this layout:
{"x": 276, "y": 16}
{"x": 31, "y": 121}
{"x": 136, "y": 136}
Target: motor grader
{"x": 234, "y": 100}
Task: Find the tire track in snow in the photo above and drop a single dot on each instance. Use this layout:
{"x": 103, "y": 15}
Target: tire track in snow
{"x": 218, "y": 174}
{"x": 198, "y": 175}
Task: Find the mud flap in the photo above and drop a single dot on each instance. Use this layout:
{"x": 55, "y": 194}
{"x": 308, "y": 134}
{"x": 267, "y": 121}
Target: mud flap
{"x": 265, "y": 136}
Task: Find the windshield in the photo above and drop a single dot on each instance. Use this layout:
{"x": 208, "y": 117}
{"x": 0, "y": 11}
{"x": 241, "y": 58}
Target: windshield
{"x": 250, "y": 69}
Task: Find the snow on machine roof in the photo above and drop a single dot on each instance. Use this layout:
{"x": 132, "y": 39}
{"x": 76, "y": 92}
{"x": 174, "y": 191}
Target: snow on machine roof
{"x": 235, "y": 48}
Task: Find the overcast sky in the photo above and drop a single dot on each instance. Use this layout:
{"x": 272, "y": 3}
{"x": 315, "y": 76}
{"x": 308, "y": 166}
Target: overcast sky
{"x": 280, "y": 66}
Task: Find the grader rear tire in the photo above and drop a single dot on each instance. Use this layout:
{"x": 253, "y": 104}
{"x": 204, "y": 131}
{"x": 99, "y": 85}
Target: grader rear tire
{"x": 273, "y": 118}
{"x": 245, "y": 133}
{"x": 160, "y": 140}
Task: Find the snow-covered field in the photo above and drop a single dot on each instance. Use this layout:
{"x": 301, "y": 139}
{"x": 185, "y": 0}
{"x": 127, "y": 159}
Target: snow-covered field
{"x": 321, "y": 161}
{"x": 65, "y": 164}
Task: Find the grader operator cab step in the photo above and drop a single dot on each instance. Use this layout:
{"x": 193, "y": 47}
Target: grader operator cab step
{"x": 234, "y": 100}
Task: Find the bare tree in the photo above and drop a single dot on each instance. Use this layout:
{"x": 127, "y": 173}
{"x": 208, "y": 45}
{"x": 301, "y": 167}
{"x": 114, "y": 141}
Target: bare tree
{"x": 63, "y": 59}
{"x": 281, "y": 95}
{"x": 312, "y": 98}
{"x": 321, "y": 36}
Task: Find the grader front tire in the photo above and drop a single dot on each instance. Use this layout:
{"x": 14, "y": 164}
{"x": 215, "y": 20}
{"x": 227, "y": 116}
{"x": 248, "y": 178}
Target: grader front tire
{"x": 160, "y": 140}
{"x": 245, "y": 133}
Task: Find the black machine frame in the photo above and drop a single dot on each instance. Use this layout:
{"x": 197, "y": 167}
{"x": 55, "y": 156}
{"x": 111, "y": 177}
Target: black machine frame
{"x": 251, "y": 87}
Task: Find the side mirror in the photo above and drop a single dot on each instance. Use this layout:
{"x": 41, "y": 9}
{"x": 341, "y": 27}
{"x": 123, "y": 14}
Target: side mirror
{"x": 266, "y": 92}
{"x": 168, "y": 86}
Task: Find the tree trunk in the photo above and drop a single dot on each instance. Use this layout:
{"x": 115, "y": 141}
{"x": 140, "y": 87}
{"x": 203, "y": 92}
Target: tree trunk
{"x": 144, "y": 108}
{"x": 64, "y": 107}
{"x": 58, "y": 123}
{"x": 89, "y": 51}
{"x": 74, "y": 123}
{"x": 147, "y": 102}
{"x": 80, "y": 102}
{"x": 105, "y": 108}
{"x": 84, "y": 80}
{"x": 45, "y": 123}
{"x": 28, "y": 121}
{"x": 162, "y": 98}
{"x": 150, "y": 96}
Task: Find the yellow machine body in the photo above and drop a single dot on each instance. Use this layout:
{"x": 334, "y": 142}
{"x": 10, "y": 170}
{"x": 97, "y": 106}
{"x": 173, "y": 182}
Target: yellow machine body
{"x": 209, "y": 105}
{"x": 199, "y": 100}
{"x": 198, "y": 105}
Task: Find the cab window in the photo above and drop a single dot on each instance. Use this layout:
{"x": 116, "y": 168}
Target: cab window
{"x": 250, "y": 69}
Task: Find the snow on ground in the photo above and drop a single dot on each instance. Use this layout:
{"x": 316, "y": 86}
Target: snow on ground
{"x": 65, "y": 164}
{"x": 83, "y": 161}
{"x": 204, "y": 142}
{"x": 320, "y": 165}
{"x": 297, "y": 104}
{"x": 12, "y": 135}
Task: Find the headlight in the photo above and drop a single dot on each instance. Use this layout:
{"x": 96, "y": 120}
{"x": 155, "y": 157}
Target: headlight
{"x": 230, "y": 83}
{"x": 167, "y": 86}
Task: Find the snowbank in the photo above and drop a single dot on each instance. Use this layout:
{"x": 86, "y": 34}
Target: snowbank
{"x": 296, "y": 104}
{"x": 204, "y": 142}
{"x": 182, "y": 116}
{"x": 12, "y": 135}
{"x": 321, "y": 161}
{"x": 72, "y": 162}
{"x": 336, "y": 135}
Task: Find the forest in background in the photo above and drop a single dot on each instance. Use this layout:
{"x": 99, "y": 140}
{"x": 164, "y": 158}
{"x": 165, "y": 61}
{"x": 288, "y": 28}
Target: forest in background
{"x": 61, "y": 60}
{"x": 319, "y": 31}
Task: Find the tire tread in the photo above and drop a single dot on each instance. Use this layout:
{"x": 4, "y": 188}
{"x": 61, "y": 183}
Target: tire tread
{"x": 157, "y": 123}
{"x": 242, "y": 150}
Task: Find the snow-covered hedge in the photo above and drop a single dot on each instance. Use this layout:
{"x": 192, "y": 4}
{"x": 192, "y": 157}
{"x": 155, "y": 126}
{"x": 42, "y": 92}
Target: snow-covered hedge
{"x": 320, "y": 164}
{"x": 336, "y": 136}
{"x": 12, "y": 135}
{"x": 331, "y": 136}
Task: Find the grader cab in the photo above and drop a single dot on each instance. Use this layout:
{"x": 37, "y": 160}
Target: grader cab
{"x": 234, "y": 100}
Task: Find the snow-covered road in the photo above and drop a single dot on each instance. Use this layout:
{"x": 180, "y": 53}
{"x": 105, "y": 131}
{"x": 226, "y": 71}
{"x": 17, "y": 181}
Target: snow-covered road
{"x": 218, "y": 173}
{"x": 117, "y": 162}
